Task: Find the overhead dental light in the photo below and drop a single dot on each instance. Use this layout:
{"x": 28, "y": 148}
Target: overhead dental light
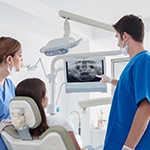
{"x": 60, "y": 45}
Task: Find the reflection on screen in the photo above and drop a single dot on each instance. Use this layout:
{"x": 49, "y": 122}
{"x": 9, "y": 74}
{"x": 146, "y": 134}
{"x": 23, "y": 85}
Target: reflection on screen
{"x": 84, "y": 71}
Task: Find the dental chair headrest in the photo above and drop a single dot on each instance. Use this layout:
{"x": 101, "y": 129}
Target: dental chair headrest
{"x": 24, "y": 111}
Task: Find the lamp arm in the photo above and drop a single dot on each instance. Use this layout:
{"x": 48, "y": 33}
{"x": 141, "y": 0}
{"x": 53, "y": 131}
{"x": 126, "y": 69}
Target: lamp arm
{"x": 40, "y": 60}
{"x": 29, "y": 67}
{"x": 84, "y": 20}
{"x": 79, "y": 55}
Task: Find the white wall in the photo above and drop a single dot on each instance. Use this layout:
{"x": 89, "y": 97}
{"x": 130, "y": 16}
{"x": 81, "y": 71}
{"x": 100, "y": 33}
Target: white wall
{"x": 31, "y": 43}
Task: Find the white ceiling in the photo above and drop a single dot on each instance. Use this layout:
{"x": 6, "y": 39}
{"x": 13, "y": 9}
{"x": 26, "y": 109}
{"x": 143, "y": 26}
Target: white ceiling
{"x": 41, "y": 16}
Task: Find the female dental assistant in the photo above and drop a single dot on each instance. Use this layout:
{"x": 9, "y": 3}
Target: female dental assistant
{"x": 10, "y": 61}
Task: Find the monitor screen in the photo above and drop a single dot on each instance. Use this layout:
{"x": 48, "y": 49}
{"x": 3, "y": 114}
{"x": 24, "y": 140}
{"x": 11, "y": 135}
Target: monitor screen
{"x": 80, "y": 74}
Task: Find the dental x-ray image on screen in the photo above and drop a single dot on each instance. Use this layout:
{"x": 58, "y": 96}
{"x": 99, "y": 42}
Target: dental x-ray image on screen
{"x": 80, "y": 74}
{"x": 84, "y": 71}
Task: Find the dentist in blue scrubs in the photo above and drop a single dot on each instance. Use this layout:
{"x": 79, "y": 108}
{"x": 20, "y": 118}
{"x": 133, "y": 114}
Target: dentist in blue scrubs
{"x": 10, "y": 61}
{"x": 128, "y": 126}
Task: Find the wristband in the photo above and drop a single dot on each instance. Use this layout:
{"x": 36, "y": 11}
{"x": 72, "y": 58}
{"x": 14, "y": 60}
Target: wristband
{"x": 126, "y": 148}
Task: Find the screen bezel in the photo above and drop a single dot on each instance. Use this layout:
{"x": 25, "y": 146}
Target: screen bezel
{"x": 91, "y": 86}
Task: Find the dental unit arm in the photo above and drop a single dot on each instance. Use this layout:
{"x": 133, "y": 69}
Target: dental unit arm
{"x": 52, "y": 106}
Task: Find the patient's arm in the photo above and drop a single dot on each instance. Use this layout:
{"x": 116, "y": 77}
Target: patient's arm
{"x": 75, "y": 141}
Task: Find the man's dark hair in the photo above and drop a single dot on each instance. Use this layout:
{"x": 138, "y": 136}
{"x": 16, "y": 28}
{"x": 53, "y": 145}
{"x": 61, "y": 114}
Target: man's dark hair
{"x": 132, "y": 25}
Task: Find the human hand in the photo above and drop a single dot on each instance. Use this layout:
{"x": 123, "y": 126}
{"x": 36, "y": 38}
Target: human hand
{"x": 104, "y": 78}
{"x": 6, "y": 121}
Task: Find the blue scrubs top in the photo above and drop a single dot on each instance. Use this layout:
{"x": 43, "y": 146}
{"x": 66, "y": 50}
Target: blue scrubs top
{"x": 133, "y": 86}
{"x": 6, "y": 93}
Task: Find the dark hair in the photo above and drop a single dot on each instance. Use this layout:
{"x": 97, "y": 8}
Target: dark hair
{"x": 36, "y": 89}
{"x": 8, "y": 46}
{"x": 132, "y": 25}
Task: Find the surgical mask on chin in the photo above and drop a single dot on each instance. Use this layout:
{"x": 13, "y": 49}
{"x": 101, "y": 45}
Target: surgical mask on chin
{"x": 11, "y": 71}
{"x": 124, "y": 50}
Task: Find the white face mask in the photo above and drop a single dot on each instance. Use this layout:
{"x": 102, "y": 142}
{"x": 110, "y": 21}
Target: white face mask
{"x": 11, "y": 71}
{"x": 124, "y": 49}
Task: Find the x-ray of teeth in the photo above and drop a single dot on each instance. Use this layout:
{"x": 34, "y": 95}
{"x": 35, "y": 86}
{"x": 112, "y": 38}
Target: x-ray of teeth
{"x": 84, "y": 71}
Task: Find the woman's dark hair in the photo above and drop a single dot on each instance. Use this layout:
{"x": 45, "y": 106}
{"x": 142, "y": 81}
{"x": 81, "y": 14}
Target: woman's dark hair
{"x": 132, "y": 25}
{"x": 36, "y": 89}
{"x": 8, "y": 46}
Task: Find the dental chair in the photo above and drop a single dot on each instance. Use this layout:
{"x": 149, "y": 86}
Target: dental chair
{"x": 25, "y": 115}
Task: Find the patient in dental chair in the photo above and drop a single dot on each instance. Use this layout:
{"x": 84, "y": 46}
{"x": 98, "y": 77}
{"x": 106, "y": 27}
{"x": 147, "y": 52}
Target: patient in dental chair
{"x": 36, "y": 89}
